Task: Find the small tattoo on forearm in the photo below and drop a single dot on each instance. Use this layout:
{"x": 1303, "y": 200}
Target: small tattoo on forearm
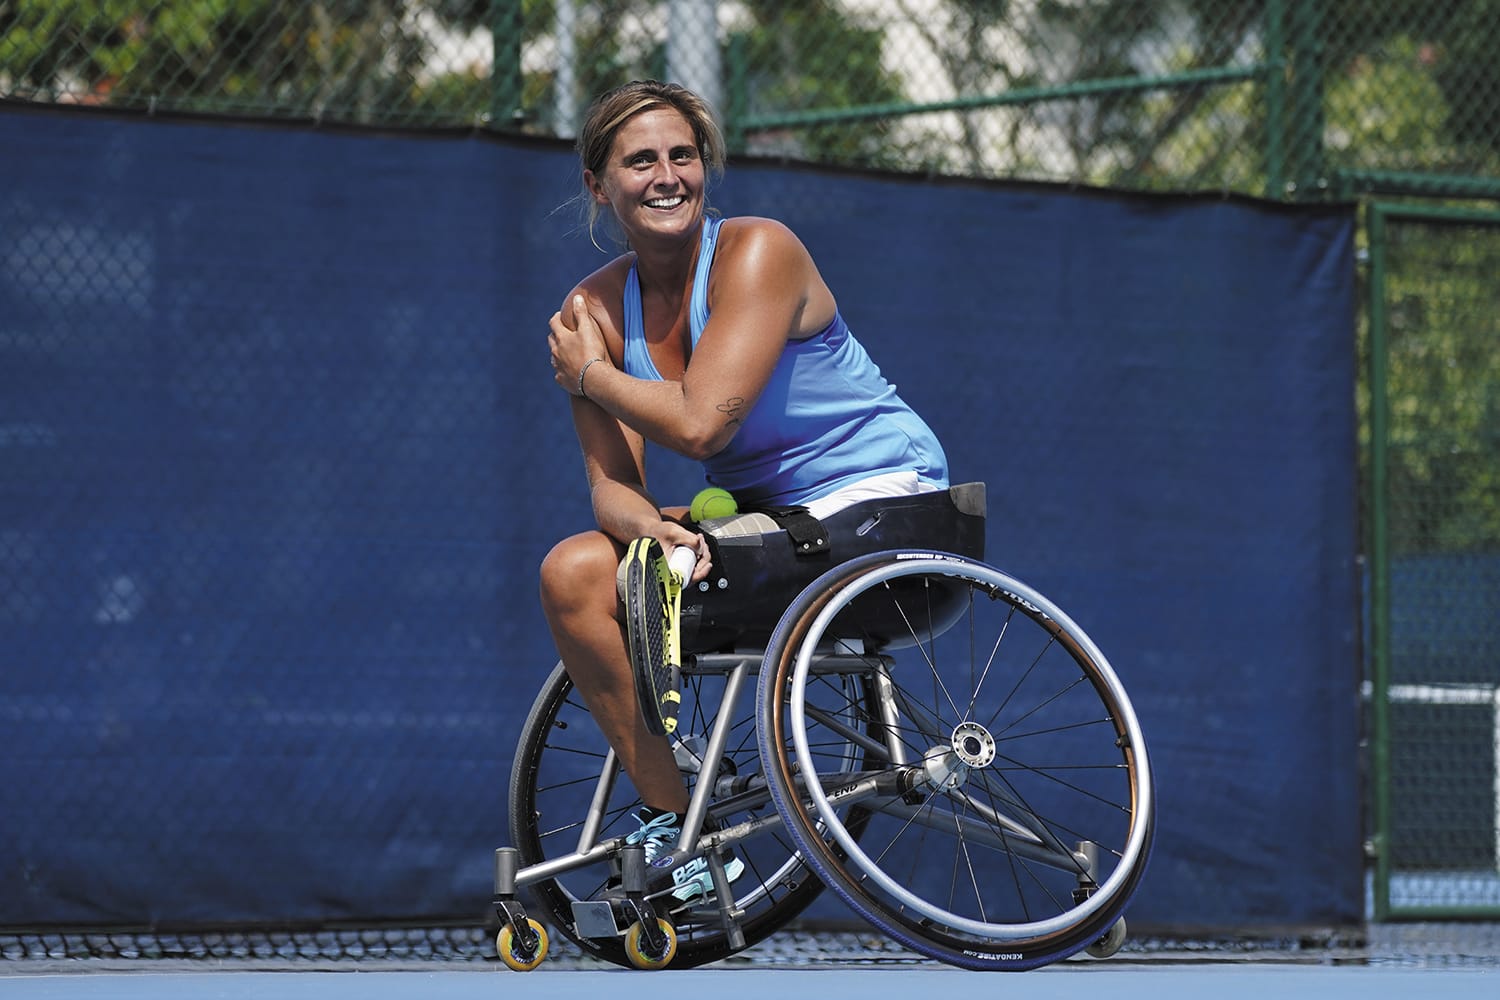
{"x": 731, "y": 408}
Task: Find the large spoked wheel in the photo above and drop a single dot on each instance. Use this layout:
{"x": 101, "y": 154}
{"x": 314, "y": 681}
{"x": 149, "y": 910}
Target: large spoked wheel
{"x": 563, "y": 766}
{"x": 1006, "y": 799}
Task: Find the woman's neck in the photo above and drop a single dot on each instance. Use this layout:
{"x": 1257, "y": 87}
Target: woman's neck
{"x": 667, "y": 265}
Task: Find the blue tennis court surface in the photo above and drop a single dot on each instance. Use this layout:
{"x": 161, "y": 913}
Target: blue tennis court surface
{"x": 1454, "y": 961}
{"x": 1220, "y": 981}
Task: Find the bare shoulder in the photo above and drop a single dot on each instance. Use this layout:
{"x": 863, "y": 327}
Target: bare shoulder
{"x": 604, "y": 291}
{"x": 607, "y": 284}
{"x": 762, "y": 261}
{"x": 752, "y": 245}
{"x": 757, "y": 233}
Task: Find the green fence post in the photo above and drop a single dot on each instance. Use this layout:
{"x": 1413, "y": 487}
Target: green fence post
{"x": 1379, "y": 568}
{"x": 505, "y": 72}
{"x": 736, "y": 99}
{"x": 1305, "y": 112}
{"x": 1275, "y": 63}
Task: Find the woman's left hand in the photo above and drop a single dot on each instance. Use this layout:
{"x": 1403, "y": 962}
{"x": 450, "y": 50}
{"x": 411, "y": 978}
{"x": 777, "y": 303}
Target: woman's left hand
{"x": 573, "y": 347}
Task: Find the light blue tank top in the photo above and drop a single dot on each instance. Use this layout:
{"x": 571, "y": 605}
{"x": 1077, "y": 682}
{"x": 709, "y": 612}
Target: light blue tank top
{"x": 826, "y": 419}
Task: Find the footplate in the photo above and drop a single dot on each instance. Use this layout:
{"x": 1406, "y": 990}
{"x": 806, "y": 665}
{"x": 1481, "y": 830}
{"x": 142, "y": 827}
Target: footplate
{"x": 595, "y": 918}
{"x": 613, "y": 917}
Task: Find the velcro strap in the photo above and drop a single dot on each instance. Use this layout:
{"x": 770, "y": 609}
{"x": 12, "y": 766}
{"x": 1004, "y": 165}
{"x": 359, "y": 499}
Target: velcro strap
{"x": 809, "y": 537}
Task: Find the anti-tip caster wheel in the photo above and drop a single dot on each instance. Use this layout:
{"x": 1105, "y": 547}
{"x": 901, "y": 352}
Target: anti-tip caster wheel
{"x": 508, "y": 946}
{"x": 635, "y": 946}
{"x": 1110, "y": 942}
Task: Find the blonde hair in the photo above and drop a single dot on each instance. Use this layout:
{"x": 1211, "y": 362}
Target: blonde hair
{"x": 611, "y": 110}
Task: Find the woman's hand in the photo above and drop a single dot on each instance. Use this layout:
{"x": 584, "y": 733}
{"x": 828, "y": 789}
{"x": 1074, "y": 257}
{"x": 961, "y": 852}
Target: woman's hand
{"x": 575, "y": 342}
{"x": 671, "y": 534}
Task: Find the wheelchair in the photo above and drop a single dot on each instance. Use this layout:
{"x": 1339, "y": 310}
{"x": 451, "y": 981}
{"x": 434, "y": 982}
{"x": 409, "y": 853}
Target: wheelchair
{"x": 928, "y": 737}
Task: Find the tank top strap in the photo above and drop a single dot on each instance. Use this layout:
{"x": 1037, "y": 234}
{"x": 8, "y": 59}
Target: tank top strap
{"x": 698, "y": 307}
{"x": 637, "y": 357}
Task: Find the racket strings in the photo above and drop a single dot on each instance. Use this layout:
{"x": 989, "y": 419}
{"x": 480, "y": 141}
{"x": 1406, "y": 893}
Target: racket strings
{"x": 651, "y": 633}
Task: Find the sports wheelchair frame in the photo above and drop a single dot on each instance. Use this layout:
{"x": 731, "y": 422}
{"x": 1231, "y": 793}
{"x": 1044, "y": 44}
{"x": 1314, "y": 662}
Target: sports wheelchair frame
{"x": 932, "y": 739}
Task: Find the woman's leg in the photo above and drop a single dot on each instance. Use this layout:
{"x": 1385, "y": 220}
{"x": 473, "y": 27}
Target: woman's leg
{"x": 583, "y": 612}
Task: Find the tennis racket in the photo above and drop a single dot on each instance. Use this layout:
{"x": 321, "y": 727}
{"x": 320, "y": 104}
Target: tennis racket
{"x": 653, "y": 605}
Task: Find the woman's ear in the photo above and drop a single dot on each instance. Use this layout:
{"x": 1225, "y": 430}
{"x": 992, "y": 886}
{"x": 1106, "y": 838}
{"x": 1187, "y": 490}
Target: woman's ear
{"x": 596, "y": 187}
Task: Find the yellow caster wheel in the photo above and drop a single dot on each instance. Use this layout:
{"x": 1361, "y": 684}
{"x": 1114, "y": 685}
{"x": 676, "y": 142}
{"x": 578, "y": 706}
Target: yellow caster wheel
{"x": 634, "y": 946}
{"x": 1110, "y": 942}
{"x": 511, "y": 953}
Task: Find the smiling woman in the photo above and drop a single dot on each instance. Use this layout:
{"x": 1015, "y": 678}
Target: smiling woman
{"x": 717, "y": 339}
{"x": 616, "y": 109}
{"x": 656, "y": 176}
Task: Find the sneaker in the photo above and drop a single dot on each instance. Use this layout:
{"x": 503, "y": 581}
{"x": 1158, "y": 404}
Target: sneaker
{"x": 658, "y": 833}
{"x": 690, "y": 879}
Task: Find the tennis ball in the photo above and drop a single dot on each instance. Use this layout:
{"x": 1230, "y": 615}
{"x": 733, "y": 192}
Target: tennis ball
{"x": 713, "y": 502}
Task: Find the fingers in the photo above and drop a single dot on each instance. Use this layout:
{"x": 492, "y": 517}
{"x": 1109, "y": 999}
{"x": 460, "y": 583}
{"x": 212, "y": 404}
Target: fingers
{"x": 559, "y": 375}
{"x": 682, "y": 561}
{"x": 705, "y": 562}
{"x": 673, "y": 536}
{"x": 554, "y": 346}
{"x": 581, "y": 319}
{"x": 572, "y": 340}
{"x": 559, "y": 337}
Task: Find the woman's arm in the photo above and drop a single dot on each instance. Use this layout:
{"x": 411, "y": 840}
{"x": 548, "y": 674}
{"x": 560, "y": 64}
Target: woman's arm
{"x": 764, "y": 290}
{"x": 614, "y": 463}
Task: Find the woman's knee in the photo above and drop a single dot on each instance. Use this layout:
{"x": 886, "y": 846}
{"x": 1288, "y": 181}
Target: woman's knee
{"x": 579, "y": 570}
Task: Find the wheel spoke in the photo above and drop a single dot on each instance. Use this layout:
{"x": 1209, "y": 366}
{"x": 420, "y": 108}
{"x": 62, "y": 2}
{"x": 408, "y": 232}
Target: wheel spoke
{"x": 1021, "y": 743}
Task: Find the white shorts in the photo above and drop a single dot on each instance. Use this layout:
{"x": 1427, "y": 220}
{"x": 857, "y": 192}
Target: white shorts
{"x": 889, "y": 484}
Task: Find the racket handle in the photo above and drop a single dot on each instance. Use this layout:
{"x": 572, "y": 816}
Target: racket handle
{"x": 681, "y": 561}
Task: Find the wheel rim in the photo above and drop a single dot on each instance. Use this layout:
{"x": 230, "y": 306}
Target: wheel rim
{"x": 772, "y": 892}
{"x": 966, "y": 749}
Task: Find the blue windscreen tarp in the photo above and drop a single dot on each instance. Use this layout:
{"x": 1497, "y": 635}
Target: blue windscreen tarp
{"x": 281, "y": 453}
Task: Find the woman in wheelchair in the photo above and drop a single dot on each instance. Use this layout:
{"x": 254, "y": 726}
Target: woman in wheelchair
{"x": 929, "y": 737}
{"x": 716, "y": 338}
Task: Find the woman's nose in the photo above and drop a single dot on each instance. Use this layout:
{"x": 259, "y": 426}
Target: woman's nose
{"x": 666, "y": 174}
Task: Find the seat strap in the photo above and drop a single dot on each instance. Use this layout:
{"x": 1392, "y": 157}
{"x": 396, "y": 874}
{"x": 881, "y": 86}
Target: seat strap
{"x": 808, "y": 535}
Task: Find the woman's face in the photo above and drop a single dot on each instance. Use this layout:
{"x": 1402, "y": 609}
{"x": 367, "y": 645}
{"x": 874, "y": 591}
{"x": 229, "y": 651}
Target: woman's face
{"x": 653, "y": 179}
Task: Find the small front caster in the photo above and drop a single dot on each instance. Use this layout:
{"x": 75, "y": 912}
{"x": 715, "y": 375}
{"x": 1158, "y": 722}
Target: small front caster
{"x": 1110, "y": 942}
{"x": 516, "y": 952}
{"x": 522, "y": 942}
{"x": 640, "y": 951}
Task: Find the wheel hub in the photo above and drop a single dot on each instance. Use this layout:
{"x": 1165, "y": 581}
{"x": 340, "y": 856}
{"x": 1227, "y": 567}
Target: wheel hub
{"x": 973, "y": 744}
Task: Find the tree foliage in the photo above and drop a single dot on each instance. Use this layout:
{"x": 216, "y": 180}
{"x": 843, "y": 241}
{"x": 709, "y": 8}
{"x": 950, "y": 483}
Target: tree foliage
{"x": 812, "y": 56}
{"x": 1443, "y": 385}
{"x": 1404, "y": 85}
{"x": 337, "y": 58}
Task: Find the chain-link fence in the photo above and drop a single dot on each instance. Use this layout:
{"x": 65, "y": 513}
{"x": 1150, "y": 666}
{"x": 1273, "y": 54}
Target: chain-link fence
{"x": 1292, "y": 98}
{"x": 1435, "y": 543}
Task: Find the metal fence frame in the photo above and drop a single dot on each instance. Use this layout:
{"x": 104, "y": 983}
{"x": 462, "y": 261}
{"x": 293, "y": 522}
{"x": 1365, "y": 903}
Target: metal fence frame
{"x": 1383, "y": 694}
